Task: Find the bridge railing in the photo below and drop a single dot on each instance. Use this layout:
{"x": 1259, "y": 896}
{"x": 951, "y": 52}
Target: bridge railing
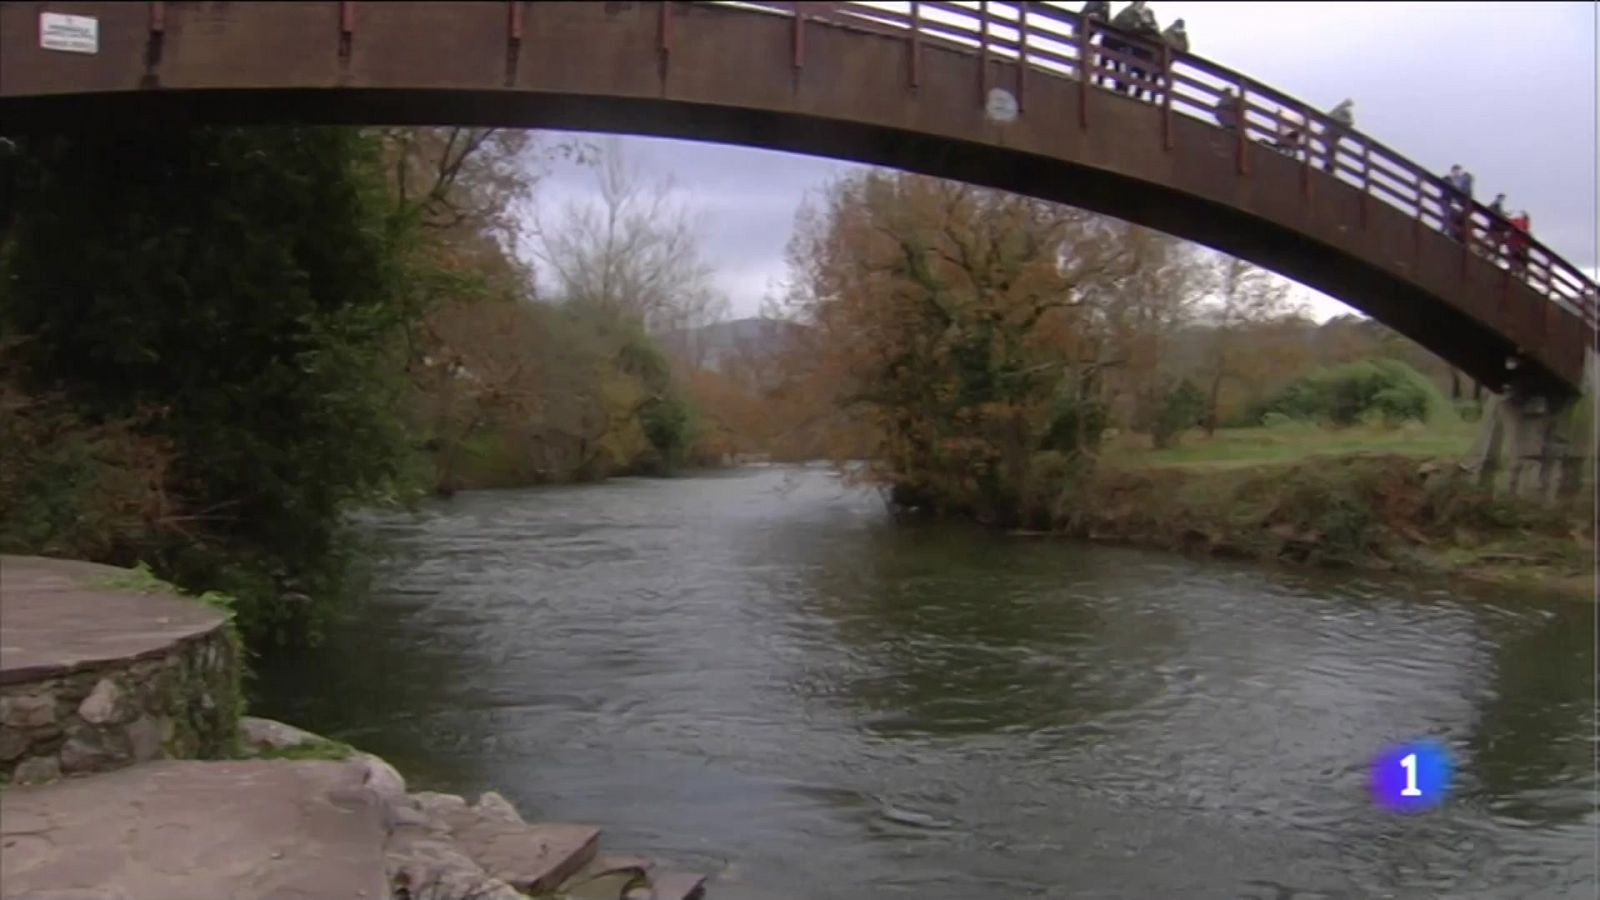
{"x": 1046, "y": 38}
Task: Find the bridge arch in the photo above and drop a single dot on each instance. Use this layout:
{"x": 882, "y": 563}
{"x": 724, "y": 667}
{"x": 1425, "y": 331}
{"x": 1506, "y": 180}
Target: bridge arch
{"x": 851, "y": 81}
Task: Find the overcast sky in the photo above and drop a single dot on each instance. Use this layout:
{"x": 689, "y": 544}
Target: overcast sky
{"x": 1506, "y": 89}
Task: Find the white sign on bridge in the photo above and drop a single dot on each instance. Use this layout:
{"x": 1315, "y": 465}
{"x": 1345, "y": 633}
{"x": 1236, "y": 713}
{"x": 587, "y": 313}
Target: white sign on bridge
{"x": 74, "y": 34}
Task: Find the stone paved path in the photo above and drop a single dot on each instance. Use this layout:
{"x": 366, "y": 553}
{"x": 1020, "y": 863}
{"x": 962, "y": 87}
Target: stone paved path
{"x": 60, "y": 616}
{"x": 188, "y": 830}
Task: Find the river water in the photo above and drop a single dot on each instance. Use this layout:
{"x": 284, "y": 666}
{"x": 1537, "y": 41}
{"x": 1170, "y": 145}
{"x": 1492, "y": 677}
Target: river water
{"x": 757, "y": 674}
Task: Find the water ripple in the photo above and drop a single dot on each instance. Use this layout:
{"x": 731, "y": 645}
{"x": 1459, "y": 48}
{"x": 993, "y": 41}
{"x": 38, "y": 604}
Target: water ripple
{"x": 758, "y": 672}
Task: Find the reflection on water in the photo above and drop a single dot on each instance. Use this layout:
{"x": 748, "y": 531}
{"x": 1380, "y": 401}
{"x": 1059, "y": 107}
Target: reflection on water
{"x": 756, "y": 674}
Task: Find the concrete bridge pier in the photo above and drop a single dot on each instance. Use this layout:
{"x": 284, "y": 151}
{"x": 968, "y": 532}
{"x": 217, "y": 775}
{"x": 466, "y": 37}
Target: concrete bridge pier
{"x": 1538, "y": 446}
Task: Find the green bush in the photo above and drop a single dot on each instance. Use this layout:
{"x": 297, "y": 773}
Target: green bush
{"x": 1384, "y": 390}
{"x": 1053, "y": 481}
{"x": 669, "y": 424}
{"x": 236, "y": 287}
{"x": 72, "y": 488}
{"x": 1075, "y": 423}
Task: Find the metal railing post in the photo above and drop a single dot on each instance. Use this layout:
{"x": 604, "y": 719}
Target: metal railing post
{"x": 347, "y": 28}
{"x": 1022, "y": 53}
{"x": 1242, "y": 125}
{"x": 983, "y": 51}
{"x": 1086, "y": 65}
{"x": 664, "y": 33}
{"x": 915, "y": 61}
{"x": 513, "y": 40}
{"x": 799, "y": 35}
{"x": 1165, "y": 83}
{"x": 1366, "y": 180}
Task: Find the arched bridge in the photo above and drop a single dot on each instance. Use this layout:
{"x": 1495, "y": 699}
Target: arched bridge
{"x": 1008, "y": 95}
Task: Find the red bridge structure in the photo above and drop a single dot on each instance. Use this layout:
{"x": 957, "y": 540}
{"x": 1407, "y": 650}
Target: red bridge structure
{"x": 1016, "y": 96}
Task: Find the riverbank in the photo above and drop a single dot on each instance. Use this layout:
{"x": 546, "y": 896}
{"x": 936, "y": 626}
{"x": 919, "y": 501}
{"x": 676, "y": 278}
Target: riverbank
{"x": 126, "y": 763}
{"x": 1376, "y": 511}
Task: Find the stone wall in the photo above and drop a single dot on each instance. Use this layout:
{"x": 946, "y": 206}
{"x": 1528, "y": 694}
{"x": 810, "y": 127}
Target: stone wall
{"x": 181, "y": 703}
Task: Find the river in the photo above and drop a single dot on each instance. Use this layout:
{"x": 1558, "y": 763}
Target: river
{"x": 756, "y": 673}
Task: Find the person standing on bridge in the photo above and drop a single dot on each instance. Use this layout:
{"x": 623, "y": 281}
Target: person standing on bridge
{"x": 1459, "y": 201}
{"x": 1178, "y": 39}
{"x": 1341, "y": 119}
{"x": 1099, "y": 13}
{"x": 1139, "y": 21}
{"x": 1499, "y": 224}
{"x": 1520, "y": 226}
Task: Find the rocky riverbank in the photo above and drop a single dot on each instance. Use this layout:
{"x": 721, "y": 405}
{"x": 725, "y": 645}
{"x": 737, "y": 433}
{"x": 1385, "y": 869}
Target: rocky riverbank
{"x": 441, "y": 847}
{"x": 130, "y": 774}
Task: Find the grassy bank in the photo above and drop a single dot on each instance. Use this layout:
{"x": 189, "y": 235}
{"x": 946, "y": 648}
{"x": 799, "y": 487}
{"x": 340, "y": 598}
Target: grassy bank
{"x": 1375, "y": 510}
{"x": 1239, "y": 447}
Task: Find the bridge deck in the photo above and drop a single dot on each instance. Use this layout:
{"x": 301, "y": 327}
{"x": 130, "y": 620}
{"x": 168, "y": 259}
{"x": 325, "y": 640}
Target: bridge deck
{"x": 904, "y": 87}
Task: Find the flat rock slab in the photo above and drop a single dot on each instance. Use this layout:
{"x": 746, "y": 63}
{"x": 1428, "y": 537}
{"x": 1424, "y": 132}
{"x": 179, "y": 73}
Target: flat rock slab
{"x": 678, "y": 886}
{"x": 188, "y": 830}
{"x": 58, "y": 616}
{"x": 530, "y": 858}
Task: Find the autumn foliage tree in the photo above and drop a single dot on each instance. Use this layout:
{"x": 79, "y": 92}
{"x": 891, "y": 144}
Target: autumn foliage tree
{"x": 971, "y": 330}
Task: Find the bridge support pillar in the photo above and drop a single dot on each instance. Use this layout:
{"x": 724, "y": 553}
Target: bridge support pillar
{"x": 1538, "y": 447}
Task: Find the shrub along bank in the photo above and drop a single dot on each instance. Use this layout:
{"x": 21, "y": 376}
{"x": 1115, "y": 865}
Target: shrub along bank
{"x": 1376, "y": 511}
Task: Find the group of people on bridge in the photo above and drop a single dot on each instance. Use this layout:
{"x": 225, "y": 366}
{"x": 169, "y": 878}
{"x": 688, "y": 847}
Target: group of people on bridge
{"x": 1135, "y": 62}
{"x": 1507, "y": 234}
{"x": 1139, "y": 42}
{"x": 1132, "y": 40}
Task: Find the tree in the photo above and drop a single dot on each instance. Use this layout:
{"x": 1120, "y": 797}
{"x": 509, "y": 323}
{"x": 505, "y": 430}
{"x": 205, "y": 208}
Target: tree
{"x": 632, "y": 253}
{"x": 1248, "y": 298}
{"x": 233, "y": 291}
{"x": 1182, "y": 407}
{"x": 952, "y": 321}
{"x": 1142, "y": 315}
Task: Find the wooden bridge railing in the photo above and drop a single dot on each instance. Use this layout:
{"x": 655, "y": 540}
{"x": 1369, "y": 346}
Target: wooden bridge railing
{"x": 1048, "y": 39}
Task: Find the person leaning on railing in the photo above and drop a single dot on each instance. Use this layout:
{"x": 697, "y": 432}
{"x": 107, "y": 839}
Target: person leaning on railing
{"x": 1458, "y": 202}
{"x": 1228, "y": 110}
{"x": 1499, "y": 224}
{"x": 1290, "y": 133}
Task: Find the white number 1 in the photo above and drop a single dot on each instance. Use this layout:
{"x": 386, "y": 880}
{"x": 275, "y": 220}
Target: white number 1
{"x": 1409, "y": 763}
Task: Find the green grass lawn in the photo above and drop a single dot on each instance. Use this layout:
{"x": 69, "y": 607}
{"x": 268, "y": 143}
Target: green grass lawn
{"x": 1235, "y": 447}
